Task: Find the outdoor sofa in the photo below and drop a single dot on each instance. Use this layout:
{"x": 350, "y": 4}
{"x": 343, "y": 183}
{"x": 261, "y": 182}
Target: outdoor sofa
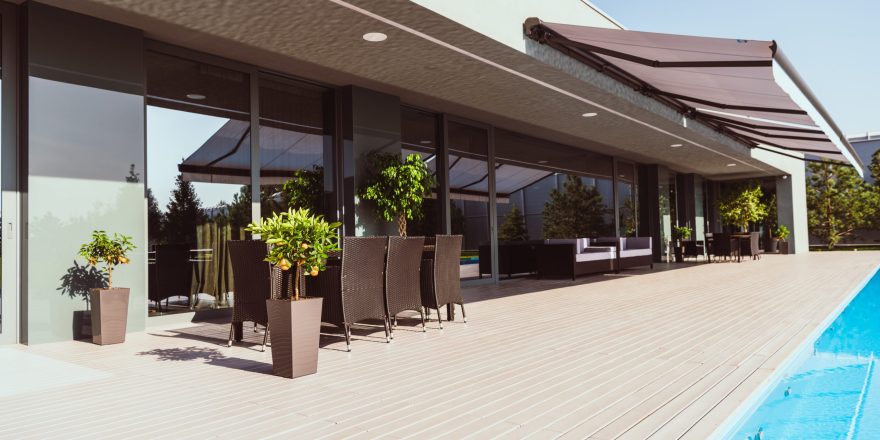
{"x": 569, "y": 258}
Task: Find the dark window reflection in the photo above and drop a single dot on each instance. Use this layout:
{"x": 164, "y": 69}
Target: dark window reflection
{"x": 469, "y": 194}
{"x": 198, "y": 155}
{"x": 418, "y": 132}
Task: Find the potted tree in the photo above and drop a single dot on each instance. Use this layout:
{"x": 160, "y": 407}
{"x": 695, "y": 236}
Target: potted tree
{"x": 681, "y": 234}
{"x": 781, "y": 233}
{"x": 398, "y": 187}
{"x": 110, "y": 304}
{"x": 743, "y": 206}
{"x": 300, "y": 240}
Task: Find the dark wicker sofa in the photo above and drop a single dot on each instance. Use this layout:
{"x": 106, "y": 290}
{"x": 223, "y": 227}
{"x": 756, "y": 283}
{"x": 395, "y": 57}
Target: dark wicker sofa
{"x": 515, "y": 257}
{"x": 569, "y": 258}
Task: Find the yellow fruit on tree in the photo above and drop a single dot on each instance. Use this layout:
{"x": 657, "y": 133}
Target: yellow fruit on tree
{"x": 314, "y": 272}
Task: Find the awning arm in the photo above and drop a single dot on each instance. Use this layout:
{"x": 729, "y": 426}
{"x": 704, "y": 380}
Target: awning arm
{"x": 798, "y": 81}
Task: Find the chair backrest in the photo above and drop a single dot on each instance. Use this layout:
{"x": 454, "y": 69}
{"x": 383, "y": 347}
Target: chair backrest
{"x": 721, "y": 244}
{"x": 251, "y": 280}
{"x": 754, "y": 242}
{"x": 404, "y": 260}
{"x": 174, "y": 271}
{"x": 447, "y": 269}
{"x": 363, "y": 278}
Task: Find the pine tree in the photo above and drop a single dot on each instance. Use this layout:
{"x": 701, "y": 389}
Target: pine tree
{"x": 514, "y": 226}
{"x": 574, "y": 212}
{"x": 184, "y": 213}
{"x": 155, "y": 220}
{"x": 838, "y": 202}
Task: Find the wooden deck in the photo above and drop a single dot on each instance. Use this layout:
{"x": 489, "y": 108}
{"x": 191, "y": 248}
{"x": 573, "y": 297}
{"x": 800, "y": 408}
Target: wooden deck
{"x": 667, "y": 354}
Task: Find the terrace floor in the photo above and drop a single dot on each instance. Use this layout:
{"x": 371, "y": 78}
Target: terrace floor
{"x": 645, "y": 354}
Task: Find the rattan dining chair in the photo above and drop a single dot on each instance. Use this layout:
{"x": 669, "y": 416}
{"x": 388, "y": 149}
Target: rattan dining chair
{"x": 252, "y": 284}
{"x": 440, "y": 276}
{"x": 402, "y": 288}
{"x": 354, "y": 291}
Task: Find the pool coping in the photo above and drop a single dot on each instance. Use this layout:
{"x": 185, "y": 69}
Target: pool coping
{"x": 737, "y": 418}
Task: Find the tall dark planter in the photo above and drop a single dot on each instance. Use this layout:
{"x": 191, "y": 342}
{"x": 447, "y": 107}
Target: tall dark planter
{"x": 678, "y": 251}
{"x": 109, "y": 315}
{"x": 772, "y": 245}
{"x": 295, "y": 328}
{"x": 783, "y": 247}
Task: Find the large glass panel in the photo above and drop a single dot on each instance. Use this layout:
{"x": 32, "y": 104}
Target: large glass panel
{"x": 198, "y": 157}
{"x": 665, "y": 183}
{"x": 418, "y": 133}
{"x": 626, "y": 199}
{"x": 295, "y": 133}
{"x": 469, "y": 194}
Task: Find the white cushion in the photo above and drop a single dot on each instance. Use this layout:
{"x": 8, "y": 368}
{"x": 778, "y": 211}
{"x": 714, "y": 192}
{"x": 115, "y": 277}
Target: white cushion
{"x": 595, "y": 256}
{"x": 634, "y": 252}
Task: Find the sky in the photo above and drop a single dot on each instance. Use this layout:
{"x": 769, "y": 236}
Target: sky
{"x": 834, "y": 45}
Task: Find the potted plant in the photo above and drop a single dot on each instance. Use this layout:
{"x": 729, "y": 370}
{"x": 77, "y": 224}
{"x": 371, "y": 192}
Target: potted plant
{"x": 110, "y": 304}
{"x": 742, "y": 206}
{"x": 781, "y": 233}
{"x": 680, "y": 233}
{"x": 300, "y": 240}
{"x": 398, "y": 187}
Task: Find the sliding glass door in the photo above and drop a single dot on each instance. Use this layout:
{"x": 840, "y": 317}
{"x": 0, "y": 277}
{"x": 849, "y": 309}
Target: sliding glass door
{"x": 9, "y": 250}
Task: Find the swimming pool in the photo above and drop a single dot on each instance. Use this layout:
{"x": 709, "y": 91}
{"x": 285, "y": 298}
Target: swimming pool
{"x": 829, "y": 393}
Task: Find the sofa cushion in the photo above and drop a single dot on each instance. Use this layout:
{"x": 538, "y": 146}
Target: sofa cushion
{"x": 595, "y": 256}
{"x": 634, "y": 252}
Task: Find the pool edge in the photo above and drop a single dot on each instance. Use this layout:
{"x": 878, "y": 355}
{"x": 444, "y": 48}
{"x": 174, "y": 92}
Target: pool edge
{"x": 745, "y": 410}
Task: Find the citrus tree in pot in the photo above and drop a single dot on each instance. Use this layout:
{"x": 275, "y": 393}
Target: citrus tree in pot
{"x": 110, "y": 304}
{"x": 681, "y": 234}
{"x": 398, "y": 187}
{"x": 742, "y": 206}
{"x": 301, "y": 241}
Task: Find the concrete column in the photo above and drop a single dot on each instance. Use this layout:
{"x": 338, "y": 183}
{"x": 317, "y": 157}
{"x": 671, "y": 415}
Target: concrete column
{"x": 370, "y": 122}
{"x": 791, "y": 199}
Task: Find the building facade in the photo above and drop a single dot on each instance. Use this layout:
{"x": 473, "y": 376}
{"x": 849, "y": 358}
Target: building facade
{"x": 177, "y": 123}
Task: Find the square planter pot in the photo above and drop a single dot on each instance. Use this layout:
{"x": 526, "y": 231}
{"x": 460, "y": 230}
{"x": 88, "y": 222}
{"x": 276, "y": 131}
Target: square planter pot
{"x": 783, "y": 247}
{"x": 295, "y": 330}
{"x": 109, "y": 315}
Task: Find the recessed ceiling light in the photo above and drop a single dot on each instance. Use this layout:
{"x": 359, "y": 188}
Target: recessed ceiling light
{"x": 589, "y": 115}
{"x": 731, "y": 164}
{"x": 195, "y": 96}
{"x": 623, "y": 175}
{"x": 675, "y": 145}
{"x": 424, "y": 142}
{"x": 375, "y": 37}
{"x": 542, "y": 161}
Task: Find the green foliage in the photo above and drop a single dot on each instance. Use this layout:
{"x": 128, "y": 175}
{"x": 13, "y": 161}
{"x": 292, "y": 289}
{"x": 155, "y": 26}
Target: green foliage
{"x": 305, "y": 189}
{"x": 183, "y": 214}
{"x": 108, "y": 250}
{"x": 298, "y": 238}
{"x": 682, "y": 232}
{"x": 781, "y": 232}
{"x": 743, "y": 205}
{"x": 574, "y": 212}
{"x": 398, "y": 187}
{"x": 838, "y": 201}
{"x": 874, "y": 167}
{"x": 155, "y": 219}
{"x": 628, "y": 217}
{"x": 514, "y": 226}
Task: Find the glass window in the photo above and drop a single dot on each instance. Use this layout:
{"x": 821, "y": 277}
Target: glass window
{"x": 469, "y": 194}
{"x": 418, "y": 131}
{"x": 627, "y": 199}
{"x": 198, "y": 178}
{"x": 296, "y": 139}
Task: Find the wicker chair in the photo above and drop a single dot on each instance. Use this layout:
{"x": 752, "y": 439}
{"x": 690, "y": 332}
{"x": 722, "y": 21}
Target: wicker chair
{"x": 253, "y": 285}
{"x": 751, "y": 247}
{"x": 723, "y": 245}
{"x": 354, "y": 291}
{"x": 173, "y": 274}
{"x": 403, "y": 262}
{"x": 441, "y": 279}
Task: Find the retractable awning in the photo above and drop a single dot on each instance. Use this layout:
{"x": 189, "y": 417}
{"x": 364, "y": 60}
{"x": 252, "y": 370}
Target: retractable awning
{"x": 726, "y": 83}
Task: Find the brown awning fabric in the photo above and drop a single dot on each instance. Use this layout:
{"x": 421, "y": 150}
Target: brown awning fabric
{"x": 721, "y": 82}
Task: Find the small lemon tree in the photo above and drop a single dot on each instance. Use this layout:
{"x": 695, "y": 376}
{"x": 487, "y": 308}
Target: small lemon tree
{"x": 743, "y": 205}
{"x": 399, "y": 187}
{"x": 107, "y": 250}
{"x": 298, "y": 238}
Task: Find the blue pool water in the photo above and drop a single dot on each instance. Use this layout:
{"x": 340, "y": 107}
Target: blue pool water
{"x": 835, "y": 392}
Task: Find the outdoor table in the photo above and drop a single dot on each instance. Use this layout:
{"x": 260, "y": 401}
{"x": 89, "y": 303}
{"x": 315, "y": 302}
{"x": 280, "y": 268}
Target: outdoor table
{"x": 739, "y": 242}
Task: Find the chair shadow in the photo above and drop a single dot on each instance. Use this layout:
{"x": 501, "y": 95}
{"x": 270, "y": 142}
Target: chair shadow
{"x": 210, "y": 356}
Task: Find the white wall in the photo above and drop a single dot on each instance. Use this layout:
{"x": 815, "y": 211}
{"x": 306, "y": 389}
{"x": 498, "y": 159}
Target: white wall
{"x": 502, "y": 20}
{"x": 791, "y": 197}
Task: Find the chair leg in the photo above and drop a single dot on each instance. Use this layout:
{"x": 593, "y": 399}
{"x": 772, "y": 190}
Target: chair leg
{"x": 265, "y": 337}
{"x": 387, "y": 332}
{"x": 347, "y": 337}
{"x": 439, "y": 318}
{"x": 231, "y": 331}
{"x": 463, "y": 315}
{"x": 392, "y": 326}
{"x": 395, "y": 321}
{"x": 422, "y": 312}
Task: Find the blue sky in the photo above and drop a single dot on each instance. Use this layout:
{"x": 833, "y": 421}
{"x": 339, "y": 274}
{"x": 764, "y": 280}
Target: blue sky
{"x": 835, "y": 45}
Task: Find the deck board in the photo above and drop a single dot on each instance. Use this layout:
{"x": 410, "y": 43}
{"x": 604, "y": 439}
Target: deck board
{"x": 668, "y": 353}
